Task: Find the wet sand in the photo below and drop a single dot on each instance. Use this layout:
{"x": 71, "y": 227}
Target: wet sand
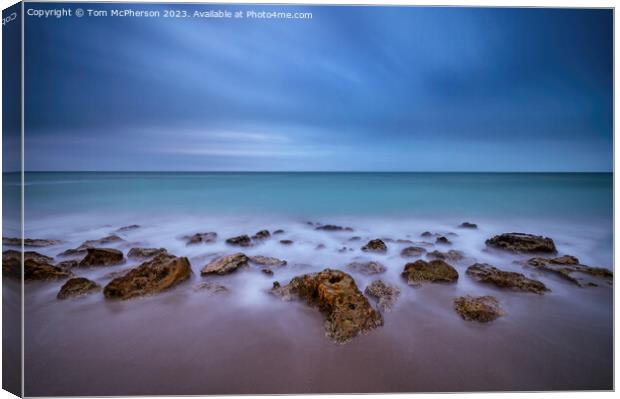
{"x": 187, "y": 342}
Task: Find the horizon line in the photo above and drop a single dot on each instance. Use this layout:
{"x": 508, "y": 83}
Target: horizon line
{"x": 294, "y": 171}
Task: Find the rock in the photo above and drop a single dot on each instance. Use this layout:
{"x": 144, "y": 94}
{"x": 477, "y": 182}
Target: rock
{"x": 279, "y": 231}
{"x": 286, "y": 242}
{"x": 375, "y": 246}
{"x": 267, "y": 271}
{"x": 201, "y": 238}
{"x": 77, "y": 286}
{"x": 240, "y": 241}
{"x": 345, "y": 249}
{"x": 151, "y": 277}
{"x": 320, "y": 246}
{"x": 267, "y": 261}
{"x": 261, "y": 235}
{"x": 403, "y": 241}
{"x": 442, "y": 240}
{"x": 83, "y": 248}
{"x": 102, "y": 257}
{"x": 12, "y": 259}
{"x": 346, "y": 310}
{"x": 355, "y": 238}
{"x": 426, "y": 234}
{"x": 569, "y": 268}
{"x": 522, "y": 243}
{"x": 451, "y": 255}
{"x": 367, "y": 268}
{"x": 212, "y": 288}
{"x": 386, "y": 294}
{"x": 28, "y": 242}
{"x": 482, "y": 309}
{"x": 68, "y": 264}
{"x": 435, "y": 271}
{"x": 145, "y": 253}
{"x": 226, "y": 264}
{"x": 467, "y": 225}
{"x": 485, "y": 273}
{"x": 128, "y": 228}
{"x": 410, "y": 252}
{"x": 332, "y": 227}
{"x": 34, "y": 270}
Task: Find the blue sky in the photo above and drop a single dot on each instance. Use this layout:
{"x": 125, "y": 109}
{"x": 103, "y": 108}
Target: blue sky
{"x": 354, "y": 88}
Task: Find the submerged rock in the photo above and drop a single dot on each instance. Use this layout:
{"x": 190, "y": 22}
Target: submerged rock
{"x": 569, "y": 268}
{"x": 286, "y": 242}
{"x": 240, "y": 241}
{"x": 467, "y": 225}
{"x": 29, "y": 242}
{"x": 77, "y": 286}
{"x": 145, "y": 253}
{"x": 34, "y": 270}
{"x": 212, "y": 288}
{"x": 410, "y": 252}
{"x": 386, "y": 294}
{"x": 83, "y": 248}
{"x": 320, "y": 246}
{"x": 261, "y": 235}
{"x": 367, "y": 268}
{"x": 267, "y": 271}
{"x": 279, "y": 231}
{"x": 451, "y": 255}
{"x": 346, "y": 310}
{"x": 102, "y": 257}
{"x": 201, "y": 238}
{"x": 267, "y": 261}
{"x": 485, "y": 273}
{"x": 226, "y": 264}
{"x": 435, "y": 271}
{"x": 376, "y": 245}
{"x": 128, "y": 228}
{"x": 522, "y": 243}
{"x": 442, "y": 240}
{"x": 333, "y": 227}
{"x": 482, "y": 309}
{"x": 151, "y": 277}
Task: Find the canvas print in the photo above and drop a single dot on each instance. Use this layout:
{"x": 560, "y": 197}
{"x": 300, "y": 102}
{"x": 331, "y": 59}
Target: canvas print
{"x": 292, "y": 199}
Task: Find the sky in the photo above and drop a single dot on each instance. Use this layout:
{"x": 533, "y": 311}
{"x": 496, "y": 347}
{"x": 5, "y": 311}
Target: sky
{"x": 352, "y": 89}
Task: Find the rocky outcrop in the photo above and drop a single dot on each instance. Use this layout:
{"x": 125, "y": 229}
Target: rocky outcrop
{"x": 367, "y": 268}
{"x": 68, "y": 264}
{"x": 333, "y": 227}
{"x": 485, "y": 273}
{"x": 240, "y": 241}
{"x": 28, "y": 242}
{"x": 267, "y": 261}
{"x": 411, "y": 252}
{"x": 102, "y": 257}
{"x": 376, "y": 245}
{"x": 34, "y": 270}
{"x": 83, "y": 248}
{"x": 212, "y": 288}
{"x": 78, "y": 286}
{"x": 482, "y": 309}
{"x": 451, "y": 255}
{"x": 226, "y": 264}
{"x": 145, "y": 253}
{"x": 522, "y": 243}
{"x": 201, "y": 238}
{"x": 385, "y": 294}
{"x": 435, "y": 271}
{"x": 569, "y": 268}
{"x": 467, "y": 225}
{"x": 151, "y": 277}
{"x": 347, "y": 311}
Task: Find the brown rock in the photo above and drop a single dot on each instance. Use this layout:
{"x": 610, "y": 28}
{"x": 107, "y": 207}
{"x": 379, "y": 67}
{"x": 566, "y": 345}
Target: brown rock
{"x": 261, "y": 235}
{"x": 522, "y": 243}
{"x": 212, "y": 288}
{"x": 347, "y": 311}
{"x": 485, "y": 273}
{"x": 435, "y": 271}
{"x": 442, "y": 240}
{"x": 151, "y": 277}
{"x": 482, "y": 309}
{"x": 145, "y": 253}
{"x": 201, "y": 238}
{"x": 569, "y": 268}
{"x": 102, "y": 257}
{"x": 367, "y": 268}
{"x": 451, "y": 255}
{"x": 267, "y": 271}
{"x": 467, "y": 225}
{"x": 34, "y": 270}
{"x": 83, "y": 248}
{"x": 386, "y": 294}
{"x": 375, "y": 246}
{"x": 28, "y": 242}
{"x": 128, "y": 228}
{"x": 240, "y": 241}
{"x": 286, "y": 242}
{"x": 267, "y": 261}
{"x": 77, "y": 286}
{"x": 411, "y": 252}
{"x": 68, "y": 264}
{"x": 226, "y": 264}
